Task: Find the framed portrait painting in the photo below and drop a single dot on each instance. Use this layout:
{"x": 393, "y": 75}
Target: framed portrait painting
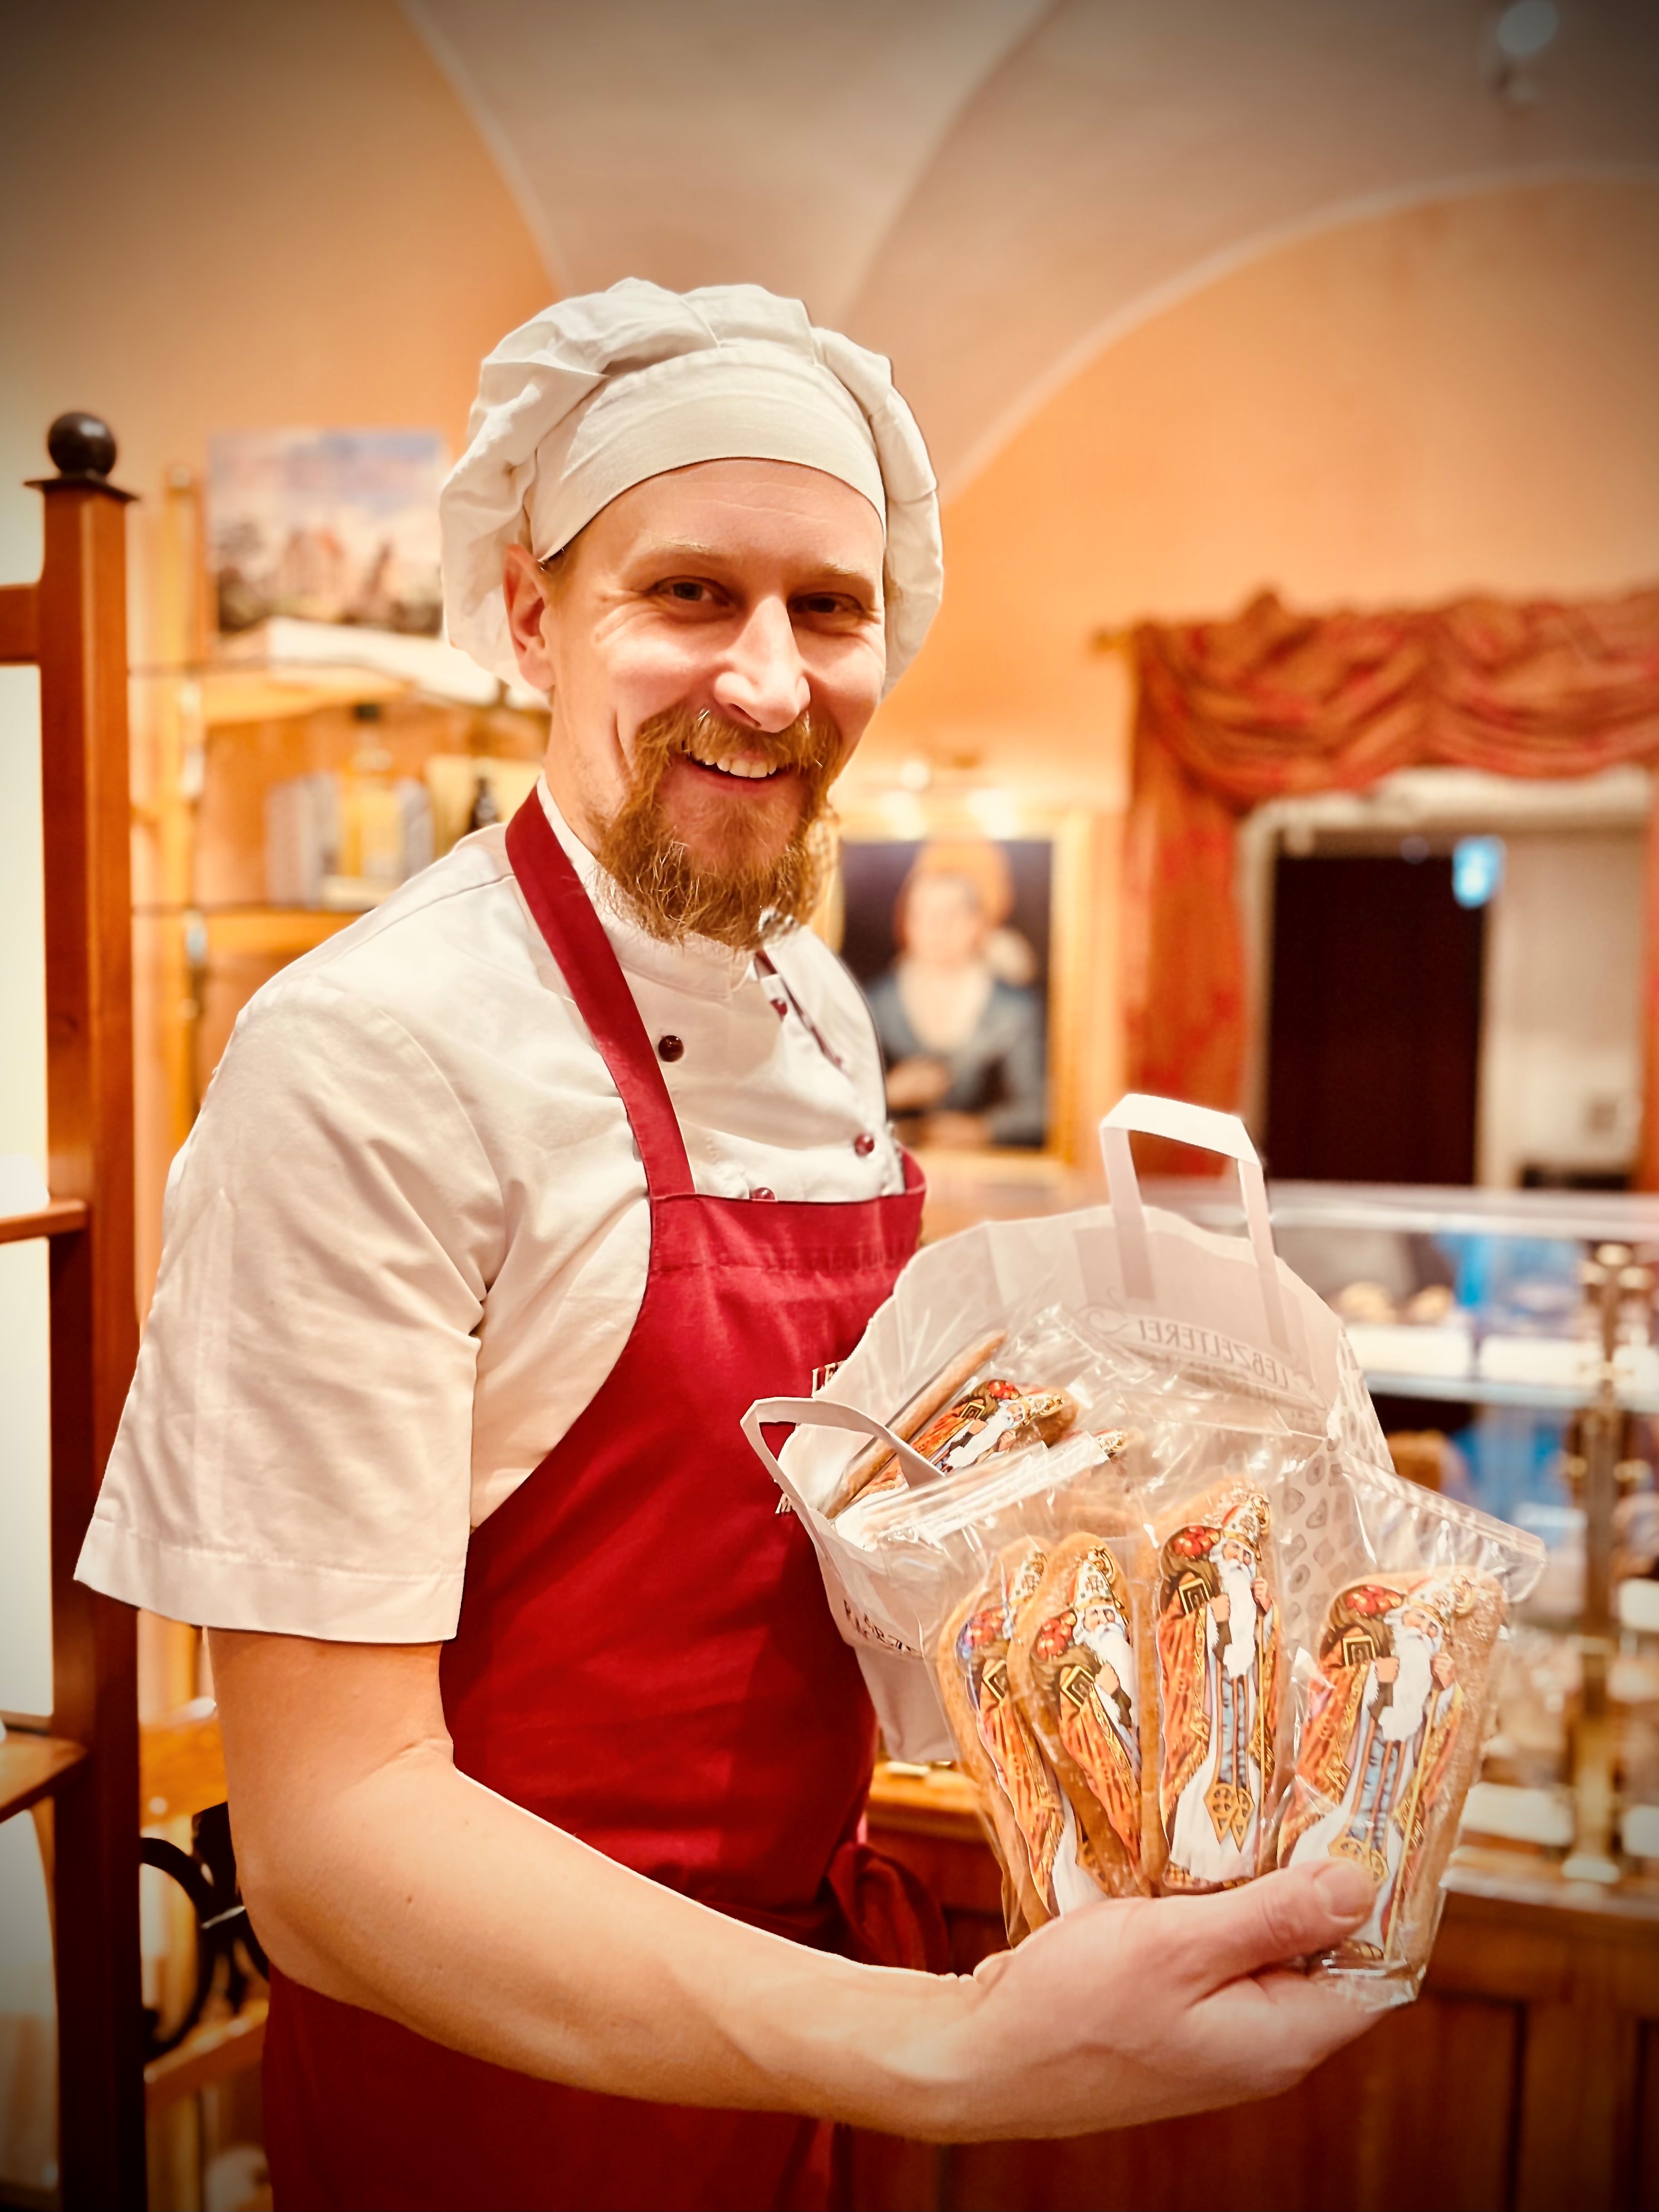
{"x": 961, "y": 943}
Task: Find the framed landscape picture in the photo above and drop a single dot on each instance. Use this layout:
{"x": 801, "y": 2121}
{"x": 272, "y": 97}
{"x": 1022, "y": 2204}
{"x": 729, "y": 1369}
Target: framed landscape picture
{"x": 326, "y": 525}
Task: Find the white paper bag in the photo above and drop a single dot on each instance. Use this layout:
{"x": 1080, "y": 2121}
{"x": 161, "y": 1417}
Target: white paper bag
{"x": 1223, "y": 1306}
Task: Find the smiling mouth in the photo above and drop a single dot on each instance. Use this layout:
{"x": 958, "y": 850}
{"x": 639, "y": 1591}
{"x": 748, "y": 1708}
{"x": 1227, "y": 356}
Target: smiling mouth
{"x": 742, "y": 767}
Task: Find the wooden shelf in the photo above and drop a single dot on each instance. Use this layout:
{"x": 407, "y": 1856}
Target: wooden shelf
{"x": 60, "y": 1218}
{"x": 228, "y": 696}
{"x": 181, "y": 1764}
{"x": 279, "y": 931}
{"x": 29, "y": 1769}
{"x": 208, "y": 2054}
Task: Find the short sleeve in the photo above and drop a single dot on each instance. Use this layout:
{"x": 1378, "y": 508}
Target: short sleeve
{"x": 294, "y": 1453}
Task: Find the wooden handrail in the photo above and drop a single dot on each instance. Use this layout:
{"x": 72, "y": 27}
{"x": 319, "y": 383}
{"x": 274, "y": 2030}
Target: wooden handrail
{"x": 61, "y": 1217}
{"x": 30, "y": 1767}
{"x": 20, "y": 624}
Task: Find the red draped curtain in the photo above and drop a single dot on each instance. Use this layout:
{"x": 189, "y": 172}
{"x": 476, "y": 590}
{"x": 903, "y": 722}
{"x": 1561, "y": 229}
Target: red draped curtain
{"x": 1232, "y": 713}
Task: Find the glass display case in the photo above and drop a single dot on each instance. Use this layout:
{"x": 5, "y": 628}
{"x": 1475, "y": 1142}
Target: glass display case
{"x": 1509, "y": 1340}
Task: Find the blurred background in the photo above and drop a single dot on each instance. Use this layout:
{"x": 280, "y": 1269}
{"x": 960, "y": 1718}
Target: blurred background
{"x": 1285, "y": 743}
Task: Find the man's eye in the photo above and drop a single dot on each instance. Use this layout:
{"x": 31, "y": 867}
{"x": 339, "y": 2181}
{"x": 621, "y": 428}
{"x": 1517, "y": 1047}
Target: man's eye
{"x": 686, "y": 588}
{"x": 828, "y": 603}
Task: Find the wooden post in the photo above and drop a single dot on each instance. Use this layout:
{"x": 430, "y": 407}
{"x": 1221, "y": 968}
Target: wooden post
{"x": 82, "y": 656}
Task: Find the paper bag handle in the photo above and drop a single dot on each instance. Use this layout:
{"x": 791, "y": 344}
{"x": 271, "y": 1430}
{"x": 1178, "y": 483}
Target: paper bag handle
{"x": 828, "y": 1413}
{"x": 1209, "y": 1131}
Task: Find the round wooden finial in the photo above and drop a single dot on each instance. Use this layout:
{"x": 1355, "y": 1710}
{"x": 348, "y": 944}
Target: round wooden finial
{"x": 82, "y": 445}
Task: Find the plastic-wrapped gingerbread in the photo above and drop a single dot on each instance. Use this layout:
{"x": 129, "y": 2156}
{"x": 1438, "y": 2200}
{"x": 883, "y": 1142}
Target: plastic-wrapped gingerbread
{"x": 1391, "y": 1743}
{"x": 1221, "y": 1675}
{"x": 1076, "y": 1665}
{"x": 1017, "y": 1787}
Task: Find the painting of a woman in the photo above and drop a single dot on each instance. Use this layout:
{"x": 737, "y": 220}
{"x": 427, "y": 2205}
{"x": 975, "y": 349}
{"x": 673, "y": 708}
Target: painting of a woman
{"x": 957, "y": 1011}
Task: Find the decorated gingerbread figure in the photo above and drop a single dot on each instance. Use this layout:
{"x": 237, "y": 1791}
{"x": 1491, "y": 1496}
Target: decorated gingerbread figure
{"x": 1218, "y": 1666}
{"x": 1388, "y": 1712}
{"x": 1076, "y": 1671}
{"x": 1016, "y": 1784}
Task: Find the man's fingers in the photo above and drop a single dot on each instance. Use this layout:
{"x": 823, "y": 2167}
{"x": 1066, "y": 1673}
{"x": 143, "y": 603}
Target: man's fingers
{"x": 1280, "y": 1917}
{"x": 1287, "y": 2024}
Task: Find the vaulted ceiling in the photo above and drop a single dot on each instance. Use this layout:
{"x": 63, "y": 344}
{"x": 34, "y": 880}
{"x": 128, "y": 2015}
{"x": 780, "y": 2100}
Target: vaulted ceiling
{"x": 991, "y": 191}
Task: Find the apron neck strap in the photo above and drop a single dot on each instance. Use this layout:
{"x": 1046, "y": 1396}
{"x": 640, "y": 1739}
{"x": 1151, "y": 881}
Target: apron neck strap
{"x": 581, "y": 951}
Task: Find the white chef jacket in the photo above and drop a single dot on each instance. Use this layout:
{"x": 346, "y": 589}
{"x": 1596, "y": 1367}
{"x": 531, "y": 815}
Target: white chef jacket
{"x": 407, "y": 1239}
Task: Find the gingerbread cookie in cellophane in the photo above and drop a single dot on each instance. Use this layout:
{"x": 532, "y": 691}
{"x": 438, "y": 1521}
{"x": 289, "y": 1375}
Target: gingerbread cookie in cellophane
{"x": 1395, "y": 1699}
{"x": 1391, "y": 1743}
{"x": 968, "y": 1555}
{"x": 1077, "y": 1673}
{"x": 1217, "y": 1669}
{"x": 1020, "y": 1795}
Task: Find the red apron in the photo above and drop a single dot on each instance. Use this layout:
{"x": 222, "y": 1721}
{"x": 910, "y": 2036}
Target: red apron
{"x": 644, "y": 1658}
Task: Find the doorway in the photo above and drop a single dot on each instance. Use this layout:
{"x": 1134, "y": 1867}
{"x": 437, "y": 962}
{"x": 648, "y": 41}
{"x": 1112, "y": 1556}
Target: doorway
{"x": 1374, "y": 1034}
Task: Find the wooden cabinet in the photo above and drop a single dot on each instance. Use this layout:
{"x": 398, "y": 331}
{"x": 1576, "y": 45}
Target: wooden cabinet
{"x": 1525, "y": 2078}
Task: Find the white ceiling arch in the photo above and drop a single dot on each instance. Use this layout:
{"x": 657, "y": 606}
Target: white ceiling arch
{"x": 991, "y": 191}
{"x": 730, "y": 141}
{"x": 1129, "y": 313}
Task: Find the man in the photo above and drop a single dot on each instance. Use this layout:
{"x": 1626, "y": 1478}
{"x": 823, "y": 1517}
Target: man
{"x": 501, "y": 1208}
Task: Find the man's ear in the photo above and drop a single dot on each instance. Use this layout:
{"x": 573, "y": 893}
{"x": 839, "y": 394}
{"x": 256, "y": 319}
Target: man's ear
{"x": 527, "y": 590}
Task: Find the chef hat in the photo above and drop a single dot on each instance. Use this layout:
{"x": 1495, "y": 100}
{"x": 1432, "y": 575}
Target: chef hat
{"x": 597, "y": 393}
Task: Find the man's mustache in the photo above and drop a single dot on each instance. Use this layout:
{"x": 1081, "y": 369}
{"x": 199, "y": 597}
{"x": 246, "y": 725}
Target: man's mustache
{"x": 810, "y": 743}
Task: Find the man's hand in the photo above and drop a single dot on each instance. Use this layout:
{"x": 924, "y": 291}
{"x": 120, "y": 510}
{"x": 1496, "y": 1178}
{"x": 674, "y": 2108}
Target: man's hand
{"x": 1141, "y": 2010}
{"x": 1442, "y": 1670}
{"x": 1222, "y": 1606}
{"x": 1387, "y": 1669}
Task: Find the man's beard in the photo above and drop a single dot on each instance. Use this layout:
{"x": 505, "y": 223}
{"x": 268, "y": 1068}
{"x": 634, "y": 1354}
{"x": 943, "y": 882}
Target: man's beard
{"x": 758, "y": 891}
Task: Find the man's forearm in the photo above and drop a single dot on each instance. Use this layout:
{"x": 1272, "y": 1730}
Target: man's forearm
{"x": 378, "y": 1874}
{"x": 418, "y": 1894}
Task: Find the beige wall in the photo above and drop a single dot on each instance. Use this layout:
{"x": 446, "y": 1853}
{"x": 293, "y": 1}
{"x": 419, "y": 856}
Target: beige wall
{"x": 1445, "y": 397}
{"x": 230, "y": 217}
